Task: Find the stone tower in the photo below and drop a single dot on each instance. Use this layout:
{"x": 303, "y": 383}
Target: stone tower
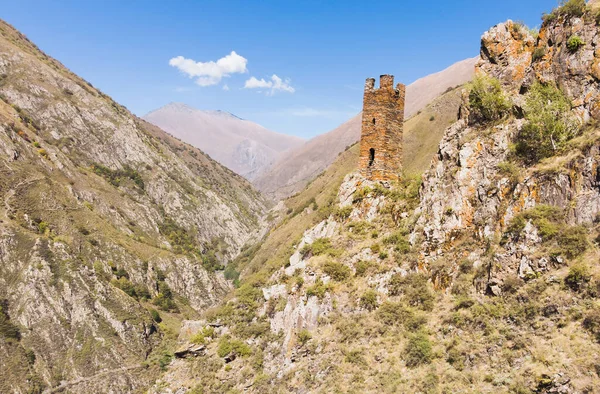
{"x": 381, "y": 134}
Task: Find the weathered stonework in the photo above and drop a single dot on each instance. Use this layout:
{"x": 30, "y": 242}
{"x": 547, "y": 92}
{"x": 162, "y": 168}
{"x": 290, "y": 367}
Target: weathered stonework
{"x": 381, "y": 134}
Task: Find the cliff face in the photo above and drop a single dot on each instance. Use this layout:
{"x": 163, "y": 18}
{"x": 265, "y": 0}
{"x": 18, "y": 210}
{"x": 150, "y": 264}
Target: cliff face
{"x": 468, "y": 190}
{"x": 479, "y": 276}
{"x": 103, "y": 218}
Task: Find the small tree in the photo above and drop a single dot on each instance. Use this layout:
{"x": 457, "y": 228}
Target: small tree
{"x": 550, "y": 123}
{"x": 487, "y": 99}
{"x": 418, "y": 350}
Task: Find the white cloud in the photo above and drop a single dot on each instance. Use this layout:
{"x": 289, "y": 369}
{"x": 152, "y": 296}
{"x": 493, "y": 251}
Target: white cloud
{"x": 274, "y": 84}
{"x": 225, "y": 87}
{"x": 211, "y": 73}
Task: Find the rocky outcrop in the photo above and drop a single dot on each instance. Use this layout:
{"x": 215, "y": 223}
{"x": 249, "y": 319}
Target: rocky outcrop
{"x": 469, "y": 193}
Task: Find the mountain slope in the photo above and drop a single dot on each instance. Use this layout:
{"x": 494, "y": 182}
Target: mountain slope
{"x": 103, "y": 218}
{"x": 421, "y": 139}
{"x": 243, "y": 146}
{"x": 481, "y": 275}
{"x": 293, "y": 170}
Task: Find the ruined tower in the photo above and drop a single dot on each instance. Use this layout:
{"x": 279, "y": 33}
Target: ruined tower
{"x": 381, "y": 133}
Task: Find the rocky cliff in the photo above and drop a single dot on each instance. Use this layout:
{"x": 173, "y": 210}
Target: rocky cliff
{"x": 481, "y": 275}
{"x": 107, "y": 223}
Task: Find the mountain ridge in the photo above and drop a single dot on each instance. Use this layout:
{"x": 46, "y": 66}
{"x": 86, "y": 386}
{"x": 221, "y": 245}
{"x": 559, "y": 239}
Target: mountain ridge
{"x": 245, "y": 147}
{"x": 111, "y": 231}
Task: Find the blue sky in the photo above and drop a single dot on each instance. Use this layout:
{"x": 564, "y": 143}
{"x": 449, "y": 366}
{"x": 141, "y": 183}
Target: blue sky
{"x": 321, "y": 52}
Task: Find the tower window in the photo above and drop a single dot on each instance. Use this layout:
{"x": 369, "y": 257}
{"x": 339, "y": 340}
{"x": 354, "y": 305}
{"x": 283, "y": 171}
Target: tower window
{"x": 371, "y": 156}
{"x": 373, "y": 120}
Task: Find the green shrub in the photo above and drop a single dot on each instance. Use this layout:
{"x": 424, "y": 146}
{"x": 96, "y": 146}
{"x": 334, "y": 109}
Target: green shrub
{"x": 396, "y": 314}
{"x": 304, "y": 336}
{"x": 369, "y": 300}
{"x": 574, "y": 43}
{"x": 125, "y": 285}
{"x": 155, "y": 315}
{"x": 198, "y": 338}
{"x": 399, "y": 241}
{"x": 572, "y": 241}
{"x": 231, "y": 273}
{"x": 227, "y": 346}
{"x": 414, "y": 288}
{"x": 361, "y": 267}
{"x": 578, "y": 277}
{"x": 355, "y": 357}
{"x": 320, "y": 246}
{"x": 567, "y": 8}
{"x": 487, "y": 99}
{"x": 418, "y": 350}
{"x": 318, "y": 289}
{"x": 549, "y": 123}
{"x": 592, "y": 323}
{"x": 249, "y": 296}
{"x": 164, "y": 361}
{"x": 341, "y": 214}
{"x": 337, "y": 271}
{"x": 115, "y": 177}
{"x": 7, "y": 328}
{"x": 164, "y": 298}
{"x": 180, "y": 239}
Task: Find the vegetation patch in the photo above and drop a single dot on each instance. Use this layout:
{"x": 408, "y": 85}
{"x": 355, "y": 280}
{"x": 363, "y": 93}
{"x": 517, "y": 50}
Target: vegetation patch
{"x": 418, "y": 350}
{"x": 116, "y": 177}
{"x": 550, "y": 123}
{"x": 337, "y": 271}
{"x": 319, "y": 289}
{"x": 320, "y": 246}
{"x": 7, "y": 329}
{"x": 567, "y": 8}
{"x": 368, "y": 300}
{"x": 568, "y": 241}
{"x": 414, "y": 289}
{"x": 228, "y": 345}
{"x": 487, "y": 100}
{"x": 574, "y": 43}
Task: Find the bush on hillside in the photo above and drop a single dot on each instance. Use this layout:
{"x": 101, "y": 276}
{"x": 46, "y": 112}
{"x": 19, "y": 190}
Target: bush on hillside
{"x": 550, "y": 123}
{"x": 337, "y": 271}
{"x": 414, "y": 288}
{"x": 592, "y": 323}
{"x": 418, "y": 350}
{"x": 568, "y": 8}
{"x": 574, "y": 43}
{"x": 487, "y": 100}
{"x": 319, "y": 247}
{"x": 227, "y": 346}
{"x": 7, "y": 328}
{"x": 578, "y": 277}
{"x": 369, "y": 300}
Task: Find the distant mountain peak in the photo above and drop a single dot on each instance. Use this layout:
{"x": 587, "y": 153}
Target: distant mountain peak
{"x": 242, "y": 145}
{"x": 182, "y": 107}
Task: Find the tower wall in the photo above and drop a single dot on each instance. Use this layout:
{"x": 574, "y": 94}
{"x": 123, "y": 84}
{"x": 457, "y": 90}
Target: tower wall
{"x": 382, "y": 126}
